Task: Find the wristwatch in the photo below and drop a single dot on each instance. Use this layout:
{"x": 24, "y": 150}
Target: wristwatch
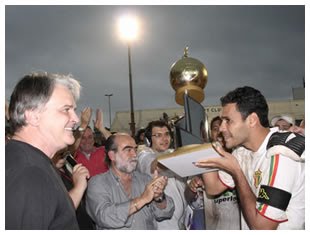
{"x": 160, "y": 199}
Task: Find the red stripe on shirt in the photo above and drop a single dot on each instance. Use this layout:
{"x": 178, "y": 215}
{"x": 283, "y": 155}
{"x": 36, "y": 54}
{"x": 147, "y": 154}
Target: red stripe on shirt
{"x": 272, "y": 177}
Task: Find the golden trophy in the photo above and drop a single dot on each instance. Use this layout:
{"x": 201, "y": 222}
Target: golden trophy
{"x": 188, "y": 75}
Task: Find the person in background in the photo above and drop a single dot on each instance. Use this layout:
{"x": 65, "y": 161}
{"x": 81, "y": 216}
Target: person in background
{"x": 42, "y": 117}
{"x": 76, "y": 184}
{"x": 92, "y": 157}
{"x": 221, "y": 211}
{"x": 139, "y": 138}
{"x": 302, "y": 124}
{"x": 8, "y": 133}
{"x": 270, "y": 184}
{"x": 284, "y": 122}
{"x": 299, "y": 129}
{"x": 99, "y": 139}
{"x": 158, "y": 139}
{"x": 124, "y": 198}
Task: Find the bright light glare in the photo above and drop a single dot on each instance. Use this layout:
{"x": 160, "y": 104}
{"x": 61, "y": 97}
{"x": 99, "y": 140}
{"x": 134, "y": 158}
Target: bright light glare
{"x": 128, "y": 28}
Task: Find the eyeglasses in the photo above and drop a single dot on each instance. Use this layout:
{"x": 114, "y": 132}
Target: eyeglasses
{"x": 160, "y": 135}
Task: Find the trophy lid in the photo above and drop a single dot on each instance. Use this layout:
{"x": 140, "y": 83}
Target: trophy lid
{"x": 188, "y": 75}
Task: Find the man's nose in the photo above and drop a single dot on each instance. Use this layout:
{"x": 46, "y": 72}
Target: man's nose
{"x": 75, "y": 117}
{"x": 222, "y": 127}
{"x": 133, "y": 152}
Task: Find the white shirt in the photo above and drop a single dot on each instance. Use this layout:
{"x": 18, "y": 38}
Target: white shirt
{"x": 276, "y": 171}
{"x": 175, "y": 189}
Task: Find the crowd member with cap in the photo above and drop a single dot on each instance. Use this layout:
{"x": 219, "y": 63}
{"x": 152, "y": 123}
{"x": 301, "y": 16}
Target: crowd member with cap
{"x": 284, "y": 122}
{"x": 42, "y": 118}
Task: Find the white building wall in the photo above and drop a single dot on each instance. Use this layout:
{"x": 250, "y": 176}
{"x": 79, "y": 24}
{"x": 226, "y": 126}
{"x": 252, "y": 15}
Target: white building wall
{"x": 296, "y": 108}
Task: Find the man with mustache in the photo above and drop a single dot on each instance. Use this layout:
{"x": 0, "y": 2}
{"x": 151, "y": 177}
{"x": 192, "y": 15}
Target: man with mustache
{"x": 123, "y": 198}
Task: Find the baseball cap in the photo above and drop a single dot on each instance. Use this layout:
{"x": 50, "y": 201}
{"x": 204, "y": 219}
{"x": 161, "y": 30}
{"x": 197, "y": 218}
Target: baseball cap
{"x": 284, "y": 117}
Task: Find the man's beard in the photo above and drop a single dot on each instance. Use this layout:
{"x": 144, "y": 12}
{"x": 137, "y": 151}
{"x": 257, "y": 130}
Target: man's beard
{"x": 126, "y": 167}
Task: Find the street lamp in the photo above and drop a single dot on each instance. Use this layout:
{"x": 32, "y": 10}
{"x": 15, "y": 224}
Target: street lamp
{"x": 109, "y": 96}
{"x": 128, "y": 28}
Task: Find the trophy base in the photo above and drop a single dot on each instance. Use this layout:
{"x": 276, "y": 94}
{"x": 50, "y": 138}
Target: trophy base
{"x": 194, "y": 92}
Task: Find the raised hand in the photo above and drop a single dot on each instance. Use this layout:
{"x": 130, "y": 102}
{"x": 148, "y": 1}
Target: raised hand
{"x": 298, "y": 130}
{"x": 159, "y": 184}
{"x": 154, "y": 188}
{"x": 227, "y": 162}
{"x": 148, "y": 193}
{"x": 80, "y": 174}
{"x": 98, "y": 123}
{"x": 85, "y": 117}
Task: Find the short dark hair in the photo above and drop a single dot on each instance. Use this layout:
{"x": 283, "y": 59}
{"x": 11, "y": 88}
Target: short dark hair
{"x": 151, "y": 125}
{"x": 137, "y": 137}
{"x": 217, "y": 118}
{"x": 248, "y": 100}
{"x": 110, "y": 145}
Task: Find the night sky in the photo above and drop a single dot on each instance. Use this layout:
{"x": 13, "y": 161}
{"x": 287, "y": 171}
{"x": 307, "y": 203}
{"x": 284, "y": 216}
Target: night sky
{"x": 259, "y": 46}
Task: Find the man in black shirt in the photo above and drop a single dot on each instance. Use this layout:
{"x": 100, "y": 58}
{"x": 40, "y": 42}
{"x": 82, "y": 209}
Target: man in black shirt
{"x": 42, "y": 118}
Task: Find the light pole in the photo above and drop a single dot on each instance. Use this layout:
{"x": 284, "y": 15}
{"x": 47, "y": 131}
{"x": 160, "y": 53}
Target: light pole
{"x": 109, "y": 96}
{"x": 132, "y": 123}
{"x": 128, "y": 28}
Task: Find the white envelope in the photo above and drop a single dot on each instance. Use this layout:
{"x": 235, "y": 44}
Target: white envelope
{"x": 182, "y": 160}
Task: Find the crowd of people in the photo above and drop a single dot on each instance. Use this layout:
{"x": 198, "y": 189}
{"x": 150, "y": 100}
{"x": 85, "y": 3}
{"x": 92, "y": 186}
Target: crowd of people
{"x": 59, "y": 175}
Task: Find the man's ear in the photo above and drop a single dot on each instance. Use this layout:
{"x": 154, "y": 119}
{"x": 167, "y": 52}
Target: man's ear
{"x": 111, "y": 155}
{"x": 32, "y": 117}
{"x": 253, "y": 119}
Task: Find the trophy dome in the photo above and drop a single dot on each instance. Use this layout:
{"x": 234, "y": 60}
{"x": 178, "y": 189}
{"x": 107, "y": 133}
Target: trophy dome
{"x": 188, "y": 75}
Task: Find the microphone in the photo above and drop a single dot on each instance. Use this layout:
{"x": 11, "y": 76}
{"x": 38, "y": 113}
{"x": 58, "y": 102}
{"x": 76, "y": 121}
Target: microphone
{"x": 71, "y": 160}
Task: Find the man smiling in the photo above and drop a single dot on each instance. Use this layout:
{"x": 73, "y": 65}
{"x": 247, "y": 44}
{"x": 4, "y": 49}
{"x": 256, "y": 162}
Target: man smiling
{"x": 42, "y": 114}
